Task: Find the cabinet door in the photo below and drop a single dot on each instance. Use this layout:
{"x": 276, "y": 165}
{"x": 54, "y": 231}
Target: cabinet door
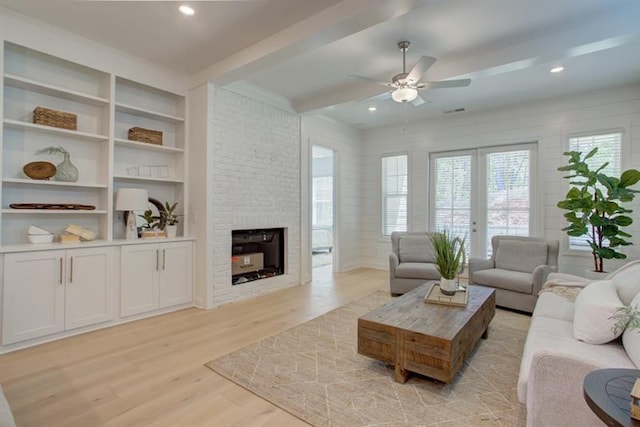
{"x": 175, "y": 273}
{"x": 139, "y": 270}
{"x": 33, "y": 295}
{"x": 90, "y": 285}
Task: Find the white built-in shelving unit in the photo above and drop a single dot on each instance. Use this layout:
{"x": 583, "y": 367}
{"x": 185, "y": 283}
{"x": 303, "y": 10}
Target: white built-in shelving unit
{"x": 107, "y": 106}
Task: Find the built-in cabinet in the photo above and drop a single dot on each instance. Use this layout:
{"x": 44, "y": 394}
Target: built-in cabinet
{"x": 54, "y": 290}
{"x": 154, "y": 276}
{"x": 46, "y": 292}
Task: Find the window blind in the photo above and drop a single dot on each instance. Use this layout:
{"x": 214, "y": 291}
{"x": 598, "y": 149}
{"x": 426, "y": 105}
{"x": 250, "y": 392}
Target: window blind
{"x": 394, "y": 193}
{"x": 609, "y": 150}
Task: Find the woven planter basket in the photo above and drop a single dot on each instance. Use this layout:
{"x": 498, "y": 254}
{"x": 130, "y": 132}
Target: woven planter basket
{"x": 55, "y": 118}
{"x": 145, "y": 135}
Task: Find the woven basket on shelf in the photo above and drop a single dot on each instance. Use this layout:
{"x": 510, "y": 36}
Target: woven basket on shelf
{"x": 145, "y": 135}
{"x": 55, "y": 118}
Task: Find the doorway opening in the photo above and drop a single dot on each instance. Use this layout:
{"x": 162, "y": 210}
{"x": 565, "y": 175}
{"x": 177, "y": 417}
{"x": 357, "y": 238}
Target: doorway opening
{"x": 322, "y": 209}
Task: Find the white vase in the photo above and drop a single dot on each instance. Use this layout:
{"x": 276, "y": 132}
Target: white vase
{"x": 448, "y": 286}
{"x": 595, "y": 275}
{"x": 171, "y": 231}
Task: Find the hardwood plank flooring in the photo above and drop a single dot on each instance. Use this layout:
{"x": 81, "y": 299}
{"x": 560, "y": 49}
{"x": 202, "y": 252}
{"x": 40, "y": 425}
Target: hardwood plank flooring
{"x": 150, "y": 372}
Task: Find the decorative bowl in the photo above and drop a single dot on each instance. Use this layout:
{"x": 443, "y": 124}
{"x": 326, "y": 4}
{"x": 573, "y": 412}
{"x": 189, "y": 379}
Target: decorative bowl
{"x": 38, "y": 239}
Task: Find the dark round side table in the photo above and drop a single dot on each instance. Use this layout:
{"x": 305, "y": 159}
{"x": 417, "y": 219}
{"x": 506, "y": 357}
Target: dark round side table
{"x": 607, "y": 392}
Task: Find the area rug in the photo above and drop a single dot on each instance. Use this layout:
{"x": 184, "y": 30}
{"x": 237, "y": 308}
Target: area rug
{"x": 314, "y": 372}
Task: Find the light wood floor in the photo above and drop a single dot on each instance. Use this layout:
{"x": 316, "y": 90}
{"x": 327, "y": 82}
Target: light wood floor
{"x": 151, "y": 372}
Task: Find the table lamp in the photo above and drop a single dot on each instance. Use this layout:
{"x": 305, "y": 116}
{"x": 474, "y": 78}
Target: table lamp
{"x": 132, "y": 199}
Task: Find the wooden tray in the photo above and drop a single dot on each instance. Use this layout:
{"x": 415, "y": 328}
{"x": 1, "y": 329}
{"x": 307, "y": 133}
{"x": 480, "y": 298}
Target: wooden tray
{"x": 53, "y": 206}
{"x": 434, "y": 296}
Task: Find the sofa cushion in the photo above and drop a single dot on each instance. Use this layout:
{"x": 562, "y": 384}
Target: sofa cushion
{"x": 554, "y": 306}
{"x": 417, "y": 270}
{"x": 547, "y": 334}
{"x": 594, "y": 308}
{"x": 415, "y": 249}
{"x": 631, "y": 337}
{"x": 518, "y": 255}
{"x": 502, "y": 279}
{"x": 626, "y": 280}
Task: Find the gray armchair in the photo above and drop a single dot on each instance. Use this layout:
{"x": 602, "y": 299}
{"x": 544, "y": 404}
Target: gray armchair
{"x": 516, "y": 270}
{"x": 411, "y": 262}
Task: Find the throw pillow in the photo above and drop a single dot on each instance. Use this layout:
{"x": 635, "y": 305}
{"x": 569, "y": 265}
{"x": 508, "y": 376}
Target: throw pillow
{"x": 416, "y": 249}
{"x": 631, "y": 337}
{"x": 595, "y": 306}
{"x": 626, "y": 280}
{"x": 520, "y": 255}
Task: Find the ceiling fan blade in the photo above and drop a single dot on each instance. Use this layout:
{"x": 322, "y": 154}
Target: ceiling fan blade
{"x": 444, "y": 84}
{"x": 420, "y": 68}
{"x": 370, "y": 80}
{"x": 379, "y": 97}
{"x": 418, "y": 101}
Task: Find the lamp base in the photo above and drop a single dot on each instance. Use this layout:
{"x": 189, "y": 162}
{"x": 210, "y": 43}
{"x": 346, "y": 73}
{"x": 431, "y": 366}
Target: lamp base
{"x": 131, "y": 232}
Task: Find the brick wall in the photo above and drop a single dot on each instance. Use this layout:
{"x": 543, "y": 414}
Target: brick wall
{"x": 256, "y": 184}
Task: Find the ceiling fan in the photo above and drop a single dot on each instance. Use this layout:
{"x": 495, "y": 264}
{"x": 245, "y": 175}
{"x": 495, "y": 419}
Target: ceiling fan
{"x": 405, "y": 86}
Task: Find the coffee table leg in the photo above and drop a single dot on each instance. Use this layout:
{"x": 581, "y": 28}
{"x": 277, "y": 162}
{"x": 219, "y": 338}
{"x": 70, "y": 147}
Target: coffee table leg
{"x": 401, "y": 374}
{"x": 485, "y": 334}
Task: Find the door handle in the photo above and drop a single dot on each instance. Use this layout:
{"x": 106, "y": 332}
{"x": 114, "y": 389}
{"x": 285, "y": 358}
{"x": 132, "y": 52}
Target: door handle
{"x": 164, "y": 257}
{"x": 157, "y": 259}
{"x": 71, "y": 271}
{"x": 60, "y": 279}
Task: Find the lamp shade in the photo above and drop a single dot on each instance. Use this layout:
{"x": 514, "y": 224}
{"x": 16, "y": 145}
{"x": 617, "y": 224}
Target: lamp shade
{"x": 132, "y": 199}
{"x": 404, "y": 94}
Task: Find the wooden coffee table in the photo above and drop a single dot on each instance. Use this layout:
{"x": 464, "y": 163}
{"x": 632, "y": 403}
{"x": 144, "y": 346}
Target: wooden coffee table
{"x": 430, "y": 339}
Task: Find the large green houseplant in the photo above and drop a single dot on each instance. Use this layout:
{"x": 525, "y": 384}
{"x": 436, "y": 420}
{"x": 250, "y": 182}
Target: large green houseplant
{"x": 594, "y": 209}
{"x": 450, "y": 259}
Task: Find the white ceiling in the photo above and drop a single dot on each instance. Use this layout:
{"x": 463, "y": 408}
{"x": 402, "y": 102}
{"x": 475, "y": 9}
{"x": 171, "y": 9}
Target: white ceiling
{"x": 303, "y": 50}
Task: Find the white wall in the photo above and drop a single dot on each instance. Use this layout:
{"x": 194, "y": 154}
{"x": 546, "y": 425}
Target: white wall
{"x": 347, "y": 142}
{"x": 256, "y": 184}
{"x": 548, "y": 122}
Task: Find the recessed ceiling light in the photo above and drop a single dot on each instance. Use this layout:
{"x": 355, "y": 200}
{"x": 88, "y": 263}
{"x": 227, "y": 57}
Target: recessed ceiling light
{"x": 186, "y": 10}
{"x": 372, "y": 109}
{"x": 557, "y": 69}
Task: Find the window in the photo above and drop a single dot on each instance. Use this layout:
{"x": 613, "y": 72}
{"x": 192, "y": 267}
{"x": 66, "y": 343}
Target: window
{"x": 394, "y": 193}
{"x": 609, "y": 150}
{"x": 322, "y": 201}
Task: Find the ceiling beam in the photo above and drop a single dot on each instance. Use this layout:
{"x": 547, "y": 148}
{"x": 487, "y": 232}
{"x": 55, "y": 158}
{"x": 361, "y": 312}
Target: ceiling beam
{"x": 331, "y": 24}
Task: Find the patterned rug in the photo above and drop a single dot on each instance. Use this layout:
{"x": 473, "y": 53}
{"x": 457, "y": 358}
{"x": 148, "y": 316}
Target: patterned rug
{"x": 314, "y": 372}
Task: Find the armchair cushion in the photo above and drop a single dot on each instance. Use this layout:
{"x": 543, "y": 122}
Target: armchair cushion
{"x": 625, "y": 281}
{"x": 516, "y": 281}
{"x": 594, "y": 308}
{"x": 521, "y": 256}
{"x": 415, "y": 249}
{"x": 417, "y": 270}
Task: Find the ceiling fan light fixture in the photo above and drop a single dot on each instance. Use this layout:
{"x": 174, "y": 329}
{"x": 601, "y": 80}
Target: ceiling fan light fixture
{"x": 404, "y": 94}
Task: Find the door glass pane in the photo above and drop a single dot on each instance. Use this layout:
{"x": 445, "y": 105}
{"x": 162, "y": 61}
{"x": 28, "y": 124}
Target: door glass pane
{"x": 507, "y": 194}
{"x": 452, "y": 186}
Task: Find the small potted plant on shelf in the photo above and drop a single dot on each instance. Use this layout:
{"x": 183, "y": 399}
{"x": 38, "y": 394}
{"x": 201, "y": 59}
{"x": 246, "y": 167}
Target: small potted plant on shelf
{"x": 450, "y": 259}
{"x": 171, "y": 219}
{"x": 150, "y": 227}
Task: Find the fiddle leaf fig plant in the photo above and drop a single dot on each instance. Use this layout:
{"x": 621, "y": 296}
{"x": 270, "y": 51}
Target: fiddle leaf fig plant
{"x": 594, "y": 206}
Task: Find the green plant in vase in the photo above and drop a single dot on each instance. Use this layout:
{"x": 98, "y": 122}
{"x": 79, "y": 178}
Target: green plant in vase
{"x": 450, "y": 259}
{"x": 171, "y": 219}
{"x": 151, "y": 220}
{"x": 65, "y": 171}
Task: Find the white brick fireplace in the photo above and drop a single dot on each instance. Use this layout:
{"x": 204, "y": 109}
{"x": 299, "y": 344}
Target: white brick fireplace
{"x": 256, "y": 184}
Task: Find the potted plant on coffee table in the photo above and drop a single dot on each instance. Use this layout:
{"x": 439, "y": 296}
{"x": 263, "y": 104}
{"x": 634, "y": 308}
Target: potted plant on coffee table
{"x": 594, "y": 206}
{"x": 450, "y": 259}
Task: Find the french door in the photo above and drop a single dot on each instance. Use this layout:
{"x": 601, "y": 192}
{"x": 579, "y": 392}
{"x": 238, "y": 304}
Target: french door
{"x": 480, "y": 193}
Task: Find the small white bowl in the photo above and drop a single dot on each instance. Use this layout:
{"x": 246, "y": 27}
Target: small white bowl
{"x": 38, "y": 239}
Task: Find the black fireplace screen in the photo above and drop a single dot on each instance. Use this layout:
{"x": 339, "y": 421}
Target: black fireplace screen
{"x": 256, "y": 254}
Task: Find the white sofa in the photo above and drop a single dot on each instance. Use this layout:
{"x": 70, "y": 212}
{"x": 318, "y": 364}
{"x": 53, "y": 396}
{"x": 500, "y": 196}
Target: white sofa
{"x": 554, "y": 363}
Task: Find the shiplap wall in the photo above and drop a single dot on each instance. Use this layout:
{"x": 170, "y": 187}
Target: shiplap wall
{"x": 548, "y": 122}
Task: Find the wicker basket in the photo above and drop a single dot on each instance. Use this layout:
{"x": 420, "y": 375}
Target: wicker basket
{"x": 55, "y": 118}
{"x": 145, "y": 135}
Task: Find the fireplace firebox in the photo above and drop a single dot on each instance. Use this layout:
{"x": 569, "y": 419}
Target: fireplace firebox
{"x": 256, "y": 254}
